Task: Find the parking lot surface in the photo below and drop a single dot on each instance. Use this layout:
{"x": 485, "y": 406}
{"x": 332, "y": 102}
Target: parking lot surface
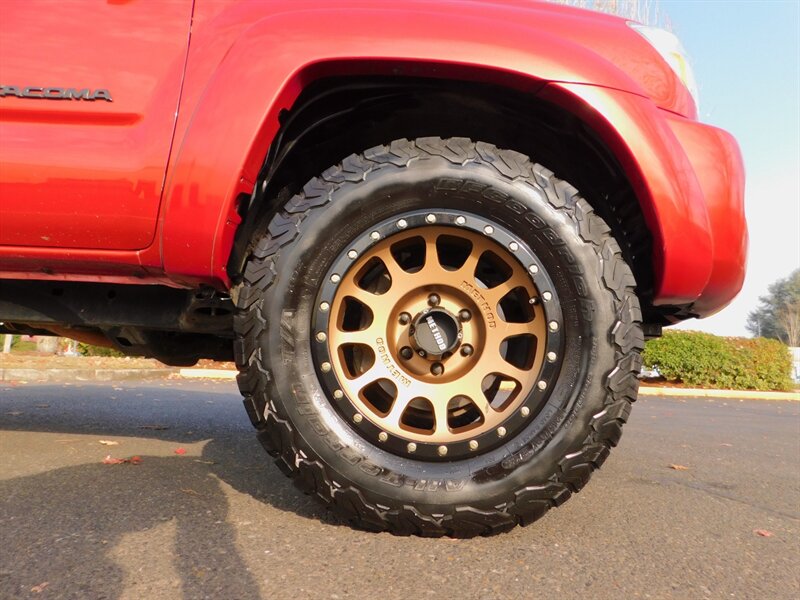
{"x": 700, "y": 500}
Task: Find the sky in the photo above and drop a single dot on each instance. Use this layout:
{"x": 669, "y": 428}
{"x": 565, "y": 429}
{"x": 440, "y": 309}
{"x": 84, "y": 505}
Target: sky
{"x": 746, "y": 58}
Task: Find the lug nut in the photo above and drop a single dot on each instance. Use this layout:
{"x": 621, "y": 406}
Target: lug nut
{"x": 467, "y": 350}
{"x": 437, "y": 368}
{"x": 434, "y": 299}
{"x": 406, "y": 353}
{"x": 464, "y": 315}
{"x": 404, "y": 318}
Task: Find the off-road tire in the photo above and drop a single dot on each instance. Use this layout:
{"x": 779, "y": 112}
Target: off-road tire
{"x": 515, "y": 483}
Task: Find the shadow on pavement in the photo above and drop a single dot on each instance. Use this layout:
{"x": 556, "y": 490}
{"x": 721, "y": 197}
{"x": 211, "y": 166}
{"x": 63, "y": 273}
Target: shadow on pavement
{"x": 73, "y": 524}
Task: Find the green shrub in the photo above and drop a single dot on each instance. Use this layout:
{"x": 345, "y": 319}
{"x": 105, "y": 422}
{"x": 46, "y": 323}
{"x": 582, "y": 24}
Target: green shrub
{"x": 89, "y": 350}
{"x": 705, "y": 360}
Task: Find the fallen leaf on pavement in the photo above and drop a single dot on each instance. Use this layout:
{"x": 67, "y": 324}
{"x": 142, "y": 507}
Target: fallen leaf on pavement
{"x": 15, "y": 413}
{"x": 38, "y": 589}
{"x": 727, "y": 445}
{"x": 180, "y": 450}
{"x": 133, "y": 460}
{"x": 763, "y": 532}
{"x": 205, "y": 462}
{"x": 109, "y": 443}
{"x": 679, "y": 467}
{"x": 190, "y": 491}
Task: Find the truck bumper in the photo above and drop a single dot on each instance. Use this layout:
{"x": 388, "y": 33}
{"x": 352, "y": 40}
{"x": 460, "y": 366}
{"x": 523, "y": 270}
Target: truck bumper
{"x": 717, "y": 164}
{"x": 689, "y": 180}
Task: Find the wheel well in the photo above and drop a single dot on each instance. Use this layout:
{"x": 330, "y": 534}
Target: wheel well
{"x": 336, "y": 117}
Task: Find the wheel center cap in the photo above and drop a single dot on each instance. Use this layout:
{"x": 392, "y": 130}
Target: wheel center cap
{"x": 436, "y": 331}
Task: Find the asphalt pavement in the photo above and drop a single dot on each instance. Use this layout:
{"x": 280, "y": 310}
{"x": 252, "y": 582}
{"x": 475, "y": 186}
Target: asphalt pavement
{"x": 700, "y": 500}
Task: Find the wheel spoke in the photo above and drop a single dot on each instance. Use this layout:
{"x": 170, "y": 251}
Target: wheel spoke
{"x": 364, "y": 336}
{"x": 432, "y": 267}
{"x": 399, "y": 406}
{"x": 470, "y": 387}
{"x": 498, "y": 292}
{"x": 376, "y": 371}
{"x": 512, "y": 329}
{"x": 440, "y": 415}
{"x": 467, "y": 270}
{"x": 366, "y": 298}
{"x": 507, "y": 330}
{"x": 490, "y": 364}
{"x": 482, "y": 404}
{"x": 521, "y": 376}
{"x": 401, "y": 279}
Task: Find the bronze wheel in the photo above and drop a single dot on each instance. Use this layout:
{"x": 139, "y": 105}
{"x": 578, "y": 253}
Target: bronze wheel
{"x": 436, "y": 334}
{"x": 437, "y": 337}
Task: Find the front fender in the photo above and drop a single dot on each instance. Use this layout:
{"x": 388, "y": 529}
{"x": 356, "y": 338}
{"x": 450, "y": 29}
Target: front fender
{"x": 250, "y": 61}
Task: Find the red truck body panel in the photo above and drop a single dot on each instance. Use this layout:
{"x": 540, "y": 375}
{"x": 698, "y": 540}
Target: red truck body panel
{"x": 107, "y": 217}
{"x": 88, "y": 174}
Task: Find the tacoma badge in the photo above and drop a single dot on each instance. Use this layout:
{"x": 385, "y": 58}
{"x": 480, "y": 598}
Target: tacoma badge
{"x": 54, "y": 93}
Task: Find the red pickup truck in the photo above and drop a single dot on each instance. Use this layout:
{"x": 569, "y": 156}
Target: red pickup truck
{"x": 432, "y": 234}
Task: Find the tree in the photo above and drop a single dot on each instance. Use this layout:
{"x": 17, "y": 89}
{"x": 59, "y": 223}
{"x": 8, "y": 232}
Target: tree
{"x": 778, "y": 313}
{"x": 789, "y": 321}
{"x": 648, "y": 12}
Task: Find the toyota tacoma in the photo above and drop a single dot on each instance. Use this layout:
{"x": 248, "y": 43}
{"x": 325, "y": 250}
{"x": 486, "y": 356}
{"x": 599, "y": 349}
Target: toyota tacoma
{"x": 433, "y": 235}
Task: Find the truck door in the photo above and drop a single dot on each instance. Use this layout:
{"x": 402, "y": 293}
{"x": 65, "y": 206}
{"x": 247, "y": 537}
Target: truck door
{"x": 88, "y": 99}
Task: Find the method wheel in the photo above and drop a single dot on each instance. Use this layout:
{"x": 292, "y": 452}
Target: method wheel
{"x": 438, "y": 337}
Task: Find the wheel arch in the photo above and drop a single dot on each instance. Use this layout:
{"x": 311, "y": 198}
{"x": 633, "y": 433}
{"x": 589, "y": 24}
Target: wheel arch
{"x": 225, "y": 136}
{"x": 343, "y": 114}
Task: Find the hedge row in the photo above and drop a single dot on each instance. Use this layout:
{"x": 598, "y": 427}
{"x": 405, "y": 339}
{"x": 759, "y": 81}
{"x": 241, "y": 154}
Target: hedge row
{"x": 704, "y": 360}
{"x": 90, "y": 350}
{"x": 21, "y": 345}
